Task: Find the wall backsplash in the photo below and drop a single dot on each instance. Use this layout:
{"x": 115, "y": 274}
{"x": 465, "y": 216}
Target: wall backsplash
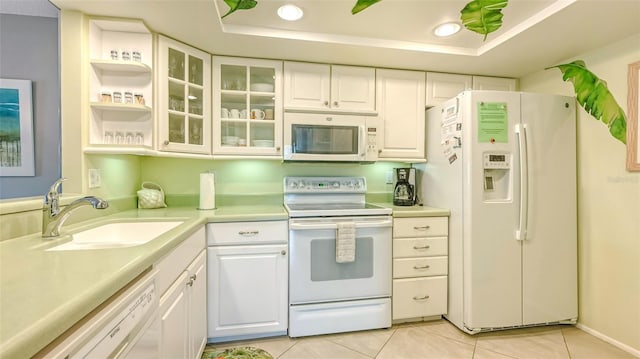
{"x": 253, "y": 177}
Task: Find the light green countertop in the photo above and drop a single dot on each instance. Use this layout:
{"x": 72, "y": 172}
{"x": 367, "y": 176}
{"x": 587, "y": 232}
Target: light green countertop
{"x": 415, "y": 211}
{"x": 43, "y": 293}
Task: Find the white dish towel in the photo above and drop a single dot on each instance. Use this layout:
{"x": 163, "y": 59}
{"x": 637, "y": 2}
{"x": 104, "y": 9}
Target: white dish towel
{"x": 346, "y": 242}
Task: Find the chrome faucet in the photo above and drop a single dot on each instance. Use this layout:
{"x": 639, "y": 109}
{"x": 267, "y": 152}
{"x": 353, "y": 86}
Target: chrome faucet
{"x": 53, "y": 217}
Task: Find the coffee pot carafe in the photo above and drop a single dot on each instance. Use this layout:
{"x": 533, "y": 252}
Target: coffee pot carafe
{"x": 404, "y": 193}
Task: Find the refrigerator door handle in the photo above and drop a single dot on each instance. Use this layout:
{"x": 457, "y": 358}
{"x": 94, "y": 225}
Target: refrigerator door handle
{"x": 521, "y": 232}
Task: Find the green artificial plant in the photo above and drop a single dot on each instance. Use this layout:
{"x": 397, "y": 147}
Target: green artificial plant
{"x": 592, "y": 94}
{"x": 362, "y": 4}
{"x": 239, "y": 5}
{"x": 483, "y": 16}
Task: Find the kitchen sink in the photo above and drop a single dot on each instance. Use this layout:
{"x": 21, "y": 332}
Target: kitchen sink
{"x": 117, "y": 235}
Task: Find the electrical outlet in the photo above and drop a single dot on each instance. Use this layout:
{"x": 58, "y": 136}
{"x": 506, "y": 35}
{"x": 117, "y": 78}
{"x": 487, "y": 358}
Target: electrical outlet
{"x": 95, "y": 178}
{"x": 389, "y": 177}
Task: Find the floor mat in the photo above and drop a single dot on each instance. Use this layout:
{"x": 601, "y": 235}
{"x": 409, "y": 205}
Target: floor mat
{"x": 235, "y": 353}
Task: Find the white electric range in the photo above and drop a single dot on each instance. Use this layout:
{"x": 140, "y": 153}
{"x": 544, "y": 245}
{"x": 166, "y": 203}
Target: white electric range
{"x": 332, "y": 290}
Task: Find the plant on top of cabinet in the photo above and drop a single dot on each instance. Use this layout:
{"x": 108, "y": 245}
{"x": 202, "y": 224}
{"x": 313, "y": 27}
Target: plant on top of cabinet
{"x": 310, "y": 87}
{"x": 184, "y": 96}
{"x": 247, "y": 106}
{"x": 120, "y": 86}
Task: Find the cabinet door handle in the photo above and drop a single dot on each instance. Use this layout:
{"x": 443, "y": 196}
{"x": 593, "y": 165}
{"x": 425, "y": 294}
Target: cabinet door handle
{"x": 335, "y": 103}
{"x": 278, "y": 148}
{"x": 421, "y": 228}
{"x": 194, "y": 277}
{"x": 421, "y": 267}
{"x": 421, "y": 247}
{"x": 326, "y": 103}
{"x": 190, "y": 282}
{"x": 248, "y": 233}
{"x": 283, "y": 252}
{"x": 424, "y": 297}
{"x": 166, "y": 142}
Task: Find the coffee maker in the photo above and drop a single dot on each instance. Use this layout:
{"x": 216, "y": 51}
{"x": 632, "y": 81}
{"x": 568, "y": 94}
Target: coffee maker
{"x": 405, "y": 191}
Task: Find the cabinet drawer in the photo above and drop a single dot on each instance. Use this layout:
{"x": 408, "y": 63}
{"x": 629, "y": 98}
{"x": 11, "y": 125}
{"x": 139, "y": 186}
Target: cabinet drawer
{"x": 419, "y": 267}
{"x": 420, "y": 227}
{"x": 419, "y": 297}
{"x": 234, "y": 233}
{"x": 419, "y": 247}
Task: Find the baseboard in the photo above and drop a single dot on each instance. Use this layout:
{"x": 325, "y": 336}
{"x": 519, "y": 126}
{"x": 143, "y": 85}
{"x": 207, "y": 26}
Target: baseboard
{"x": 615, "y": 343}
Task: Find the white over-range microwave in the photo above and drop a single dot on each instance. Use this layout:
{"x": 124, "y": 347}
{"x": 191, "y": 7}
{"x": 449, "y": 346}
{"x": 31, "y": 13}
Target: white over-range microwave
{"x": 327, "y": 137}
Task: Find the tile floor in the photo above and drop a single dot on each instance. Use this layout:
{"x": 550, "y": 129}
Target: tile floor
{"x": 440, "y": 339}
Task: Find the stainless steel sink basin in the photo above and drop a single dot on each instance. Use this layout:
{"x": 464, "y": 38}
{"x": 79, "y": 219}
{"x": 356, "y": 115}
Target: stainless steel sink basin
{"x": 117, "y": 235}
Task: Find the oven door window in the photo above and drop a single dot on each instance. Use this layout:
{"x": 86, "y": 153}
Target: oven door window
{"x": 330, "y": 140}
{"x": 324, "y": 266}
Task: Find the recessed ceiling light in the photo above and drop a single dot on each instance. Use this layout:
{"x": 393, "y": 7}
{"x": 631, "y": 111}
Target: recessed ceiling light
{"x": 290, "y": 12}
{"x": 446, "y": 29}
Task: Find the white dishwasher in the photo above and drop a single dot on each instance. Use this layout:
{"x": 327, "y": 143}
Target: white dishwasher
{"x": 247, "y": 280}
{"x": 127, "y": 327}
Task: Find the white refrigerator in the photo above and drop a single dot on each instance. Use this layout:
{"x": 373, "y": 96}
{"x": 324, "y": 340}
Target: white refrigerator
{"x": 504, "y": 163}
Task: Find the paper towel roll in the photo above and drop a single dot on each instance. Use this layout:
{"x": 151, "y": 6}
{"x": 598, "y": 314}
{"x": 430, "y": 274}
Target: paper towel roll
{"x": 207, "y": 191}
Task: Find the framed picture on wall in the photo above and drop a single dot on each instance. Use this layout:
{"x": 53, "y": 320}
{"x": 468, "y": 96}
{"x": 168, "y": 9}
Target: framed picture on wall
{"x": 633, "y": 125}
{"x": 16, "y": 128}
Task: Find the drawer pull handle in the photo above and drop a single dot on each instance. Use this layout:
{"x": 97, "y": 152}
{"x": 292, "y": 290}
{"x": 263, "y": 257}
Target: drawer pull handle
{"x": 421, "y": 267}
{"x": 421, "y": 228}
{"x": 424, "y": 297}
{"x": 248, "y": 233}
{"x": 283, "y": 252}
{"x": 421, "y": 247}
{"x": 192, "y": 279}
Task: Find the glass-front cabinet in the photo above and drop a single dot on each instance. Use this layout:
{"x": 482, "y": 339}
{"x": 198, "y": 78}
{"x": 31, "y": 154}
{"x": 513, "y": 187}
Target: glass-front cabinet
{"x": 247, "y": 109}
{"x": 184, "y": 97}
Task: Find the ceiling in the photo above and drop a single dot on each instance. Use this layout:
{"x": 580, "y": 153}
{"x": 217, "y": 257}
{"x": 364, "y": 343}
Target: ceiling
{"x": 391, "y": 33}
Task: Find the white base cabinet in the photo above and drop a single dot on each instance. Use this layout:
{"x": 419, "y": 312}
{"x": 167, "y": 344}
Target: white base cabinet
{"x": 182, "y": 313}
{"x": 420, "y": 267}
{"x": 248, "y": 283}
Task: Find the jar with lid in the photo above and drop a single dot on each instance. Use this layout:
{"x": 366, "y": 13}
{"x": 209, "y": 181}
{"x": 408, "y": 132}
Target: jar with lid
{"x": 138, "y": 98}
{"x": 136, "y": 56}
{"x": 117, "y": 97}
{"x": 128, "y": 97}
{"x": 126, "y": 55}
{"x": 105, "y": 96}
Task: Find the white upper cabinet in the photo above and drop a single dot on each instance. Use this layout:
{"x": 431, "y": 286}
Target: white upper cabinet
{"x": 494, "y": 83}
{"x": 400, "y": 98}
{"x": 120, "y": 86}
{"x": 184, "y": 98}
{"x": 329, "y": 88}
{"x": 441, "y": 87}
{"x": 247, "y": 104}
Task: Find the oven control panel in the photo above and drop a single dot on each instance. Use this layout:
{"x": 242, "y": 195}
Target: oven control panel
{"x": 325, "y": 185}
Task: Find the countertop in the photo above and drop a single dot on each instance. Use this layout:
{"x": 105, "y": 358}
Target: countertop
{"x": 45, "y": 292}
{"x": 415, "y": 211}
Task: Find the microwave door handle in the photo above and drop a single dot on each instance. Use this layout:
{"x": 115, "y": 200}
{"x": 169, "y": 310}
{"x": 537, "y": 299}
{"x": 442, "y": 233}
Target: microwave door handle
{"x": 363, "y": 146}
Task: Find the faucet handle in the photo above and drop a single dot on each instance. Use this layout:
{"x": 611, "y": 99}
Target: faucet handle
{"x": 55, "y": 187}
{"x": 54, "y": 191}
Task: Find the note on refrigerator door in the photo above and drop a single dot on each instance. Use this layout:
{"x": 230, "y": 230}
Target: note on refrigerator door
{"x": 493, "y": 122}
{"x": 450, "y": 133}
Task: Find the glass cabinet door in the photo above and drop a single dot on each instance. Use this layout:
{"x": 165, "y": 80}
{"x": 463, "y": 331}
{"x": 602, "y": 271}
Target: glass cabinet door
{"x": 185, "y": 118}
{"x": 247, "y": 109}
